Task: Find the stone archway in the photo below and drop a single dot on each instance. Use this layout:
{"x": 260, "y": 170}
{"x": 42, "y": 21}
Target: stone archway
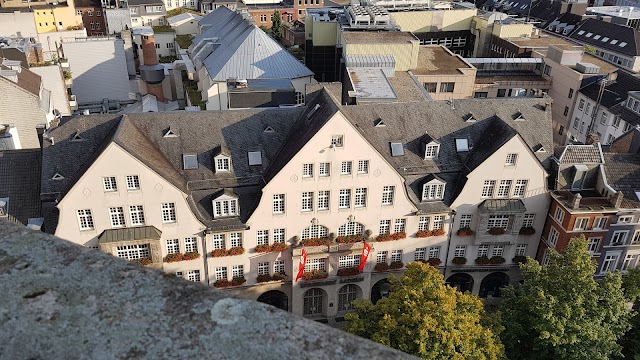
{"x": 275, "y": 298}
{"x": 492, "y": 283}
{"x": 380, "y": 290}
{"x": 461, "y": 281}
{"x": 346, "y": 295}
{"x": 314, "y": 302}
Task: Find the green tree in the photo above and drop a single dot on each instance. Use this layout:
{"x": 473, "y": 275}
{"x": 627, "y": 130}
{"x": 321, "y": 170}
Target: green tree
{"x": 561, "y": 312}
{"x": 426, "y": 318}
{"x": 276, "y": 25}
{"x": 630, "y": 342}
{"x": 631, "y": 284}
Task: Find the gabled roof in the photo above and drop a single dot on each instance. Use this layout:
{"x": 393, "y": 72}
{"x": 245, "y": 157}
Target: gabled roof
{"x": 20, "y": 182}
{"x": 623, "y": 174}
{"x": 579, "y": 154}
{"x": 616, "y": 92}
{"x": 27, "y": 80}
{"x": 617, "y": 35}
{"x": 175, "y": 20}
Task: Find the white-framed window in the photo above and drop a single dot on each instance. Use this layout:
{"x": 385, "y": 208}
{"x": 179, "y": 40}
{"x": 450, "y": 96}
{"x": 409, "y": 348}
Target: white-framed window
{"x": 520, "y": 188}
{"x": 521, "y": 249}
{"x": 132, "y": 252}
{"x": 625, "y": 220}
{"x": 619, "y": 237}
{"x": 593, "y": 246}
{"x": 315, "y": 264}
{"x": 227, "y": 207}
{"x": 344, "y": 199}
{"x": 351, "y": 228}
{"x": 431, "y": 151}
{"x": 504, "y": 189}
{"x": 387, "y": 194}
{"x": 348, "y": 261}
{"x": 385, "y": 226}
{"x": 337, "y": 141}
{"x": 173, "y": 246}
{"x": 324, "y": 169}
{"x": 278, "y": 267}
{"x": 262, "y": 237}
{"x": 307, "y": 170}
{"x": 133, "y": 182}
{"x": 400, "y": 225}
{"x": 483, "y": 250}
{"x": 609, "y": 264}
{"x": 581, "y": 105}
{"x": 360, "y": 198}
{"x": 116, "y": 214}
{"x": 221, "y": 273}
{"x": 307, "y": 201}
{"x": 420, "y": 254}
{"x": 559, "y": 215}
{"x": 110, "y": 183}
{"x": 263, "y": 268}
{"x": 635, "y": 240}
{"x": 315, "y": 231}
{"x": 218, "y": 241}
{"x": 278, "y": 235}
{"x": 460, "y": 251}
{"x": 465, "y": 221}
{"x": 630, "y": 262}
{"x": 345, "y": 168}
{"x": 85, "y": 219}
{"x": 616, "y": 122}
{"x": 235, "y": 239}
{"x": 511, "y": 160}
{"x": 168, "y": 212}
{"x": 396, "y": 255}
{"x": 603, "y": 118}
{"x": 497, "y": 250}
{"x": 580, "y": 223}
{"x": 363, "y": 166}
{"x": 528, "y": 219}
{"x": 278, "y": 203}
{"x": 191, "y": 244}
{"x": 434, "y": 252}
{"x": 381, "y": 257}
{"x": 553, "y": 236}
{"x": 323, "y": 199}
{"x": 237, "y": 271}
{"x": 488, "y": 188}
{"x": 500, "y": 221}
{"x": 136, "y": 213}
{"x": 546, "y": 259}
{"x": 432, "y": 191}
{"x": 423, "y": 223}
{"x": 438, "y": 222}
{"x": 223, "y": 163}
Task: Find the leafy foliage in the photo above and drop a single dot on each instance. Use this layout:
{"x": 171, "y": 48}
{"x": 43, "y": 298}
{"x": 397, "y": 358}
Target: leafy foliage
{"x": 426, "y": 318}
{"x": 276, "y": 25}
{"x": 561, "y": 312}
{"x": 181, "y": 10}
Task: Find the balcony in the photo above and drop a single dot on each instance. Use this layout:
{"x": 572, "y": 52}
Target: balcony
{"x": 73, "y": 103}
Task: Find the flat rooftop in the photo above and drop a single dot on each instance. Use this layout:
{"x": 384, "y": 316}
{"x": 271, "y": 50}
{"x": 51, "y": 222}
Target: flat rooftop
{"x": 510, "y": 78}
{"x": 628, "y": 12}
{"x": 370, "y": 84}
{"x": 436, "y": 60}
{"x": 380, "y": 37}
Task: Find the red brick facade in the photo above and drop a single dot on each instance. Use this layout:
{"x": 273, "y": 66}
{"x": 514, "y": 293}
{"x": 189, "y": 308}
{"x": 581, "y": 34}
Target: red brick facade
{"x": 263, "y": 15}
{"x": 93, "y": 20}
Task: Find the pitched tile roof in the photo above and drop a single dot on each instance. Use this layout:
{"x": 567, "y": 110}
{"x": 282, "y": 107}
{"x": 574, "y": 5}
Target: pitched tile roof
{"x": 579, "y": 154}
{"x": 20, "y": 182}
{"x": 27, "y": 80}
{"x": 623, "y": 174}
{"x": 620, "y": 39}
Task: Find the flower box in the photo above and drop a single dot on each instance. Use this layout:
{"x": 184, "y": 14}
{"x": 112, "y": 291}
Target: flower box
{"x": 458, "y": 260}
{"x": 349, "y": 239}
{"x": 191, "y": 255}
{"x": 381, "y": 267}
{"x": 274, "y": 277}
{"x": 434, "y": 262}
{"x": 263, "y": 248}
{"x": 142, "y": 261}
{"x": 348, "y": 271}
{"x": 497, "y": 231}
{"x": 314, "y": 275}
{"x": 238, "y": 281}
{"x": 527, "y": 230}
{"x": 236, "y": 250}
{"x": 423, "y": 233}
{"x": 323, "y": 241}
{"x": 437, "y": 232}
{"x": 496, "y": 260}
{"x": 219, "y": 253}
{"x": 519, "y": 259}
{"x": 396, "y": 265}
{"x": 391, "y": 237}
{"x": 279, "y": 246}
{"x": 465, "y": 231}
{"x": 483, "y": 260}
{"x": 222, "y": 283}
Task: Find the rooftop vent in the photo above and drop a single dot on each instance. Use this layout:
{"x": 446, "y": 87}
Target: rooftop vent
{"x": 77, "y": 137}
{"x": 170, "y": 134}
{"x": 469, "y": 118}
{"x": 57, "y": 176}
{"x": 269, "y": 129}
{"x": 518, "y": 116}
{"x": 397, "y": 149}
{"x": 255, "y": 158}
{"x": 190, "y": 161}
{"x": 379, "y": 123}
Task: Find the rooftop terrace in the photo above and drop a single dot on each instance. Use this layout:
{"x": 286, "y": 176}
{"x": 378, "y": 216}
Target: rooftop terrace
{"x": 437, "y": 60}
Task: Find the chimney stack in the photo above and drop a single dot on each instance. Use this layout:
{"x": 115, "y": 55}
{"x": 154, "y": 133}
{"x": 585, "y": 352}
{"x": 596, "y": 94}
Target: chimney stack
{"x": 592, "y": 138}
{"x": 151, "y": 72}
{"x": 619, "y": 198}
{"x": 576, "y": 201}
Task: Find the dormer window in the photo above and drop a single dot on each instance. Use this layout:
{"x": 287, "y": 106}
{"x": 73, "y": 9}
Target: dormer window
{"x": 633, "y": 104}
{"x": 431, "y": 150}
{"x": 222, "y": 163}
{"x": 433, "y": 190}
{"x": 337, "y": 141}
{"x": 225, "y": 205}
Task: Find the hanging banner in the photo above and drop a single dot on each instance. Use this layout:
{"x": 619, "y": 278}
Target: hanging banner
{"x": 303, "y": 261}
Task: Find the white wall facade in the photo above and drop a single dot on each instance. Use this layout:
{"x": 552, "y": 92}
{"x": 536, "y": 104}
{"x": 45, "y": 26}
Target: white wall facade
{"x": 52, "y": 80}
{"x": 606, "y": 124}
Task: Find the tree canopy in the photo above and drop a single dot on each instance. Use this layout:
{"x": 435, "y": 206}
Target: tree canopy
{"x": 561, "y": 312}
{"x": 276, "y": 25}
{"x": 424, "y": 317}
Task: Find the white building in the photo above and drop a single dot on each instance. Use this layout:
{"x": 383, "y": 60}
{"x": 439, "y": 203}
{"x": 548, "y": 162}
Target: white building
{"x": 252, "y": 189}
{"x": 185, "y": 23}
{"x": 164, "y": 41}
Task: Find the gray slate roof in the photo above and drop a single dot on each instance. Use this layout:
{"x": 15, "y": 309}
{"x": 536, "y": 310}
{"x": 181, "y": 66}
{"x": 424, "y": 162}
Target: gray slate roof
{"x": 623, "y": 174}
{"x": 20, "y": 182}
{"x": 128, "y": 234}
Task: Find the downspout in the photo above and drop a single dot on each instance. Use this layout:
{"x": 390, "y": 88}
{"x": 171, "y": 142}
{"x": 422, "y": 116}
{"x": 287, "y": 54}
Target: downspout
{"x": 446, "y": 260}
{"x": 204, "y": 255}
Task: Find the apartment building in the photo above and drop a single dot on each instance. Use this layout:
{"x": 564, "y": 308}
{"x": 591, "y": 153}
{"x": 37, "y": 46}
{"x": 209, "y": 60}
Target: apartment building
{"x": 606, "y": 109}
{"x": 253, "y": 189}
{"x": 262, "y": 14}
{"x": 93, "y": 16}
{"x": 51, "y": 17}
{"x": 147, "y": 12}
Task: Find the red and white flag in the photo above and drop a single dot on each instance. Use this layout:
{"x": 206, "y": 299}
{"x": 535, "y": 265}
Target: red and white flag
{"x": 303, "y": 261}
{"x": 365, "y": 254}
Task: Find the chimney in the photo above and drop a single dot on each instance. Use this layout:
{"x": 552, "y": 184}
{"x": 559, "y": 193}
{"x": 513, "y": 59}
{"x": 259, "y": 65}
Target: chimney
{"x": 576, "y": 201}
{"x": 151, "y": 72}
{"x": 592, "y": 138}
{"x": 619, "y": 198}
